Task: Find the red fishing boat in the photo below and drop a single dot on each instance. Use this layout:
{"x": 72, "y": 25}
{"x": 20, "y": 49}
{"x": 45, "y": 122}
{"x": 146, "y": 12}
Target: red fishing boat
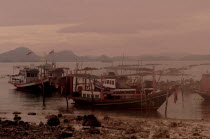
{"x": 117, "y": 92}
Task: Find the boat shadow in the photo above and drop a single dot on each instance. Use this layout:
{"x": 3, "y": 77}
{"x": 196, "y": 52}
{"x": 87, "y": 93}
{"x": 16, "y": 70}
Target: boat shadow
{"x": 135, "y": 113}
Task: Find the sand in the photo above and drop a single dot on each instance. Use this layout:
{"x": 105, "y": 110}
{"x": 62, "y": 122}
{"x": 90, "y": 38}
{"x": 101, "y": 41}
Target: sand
{"x": 72, "y": 126}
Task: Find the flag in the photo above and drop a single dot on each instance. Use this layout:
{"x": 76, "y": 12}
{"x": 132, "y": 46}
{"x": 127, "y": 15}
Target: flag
{"x": 29, "y": 53}
{"x": 175, "y": 96}
{"x": 52, "y": 52}
{"x": 154, "y": 83}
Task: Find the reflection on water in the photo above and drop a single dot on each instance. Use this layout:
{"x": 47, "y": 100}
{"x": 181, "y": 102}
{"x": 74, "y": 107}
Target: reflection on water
{"x": 191, "y": 107}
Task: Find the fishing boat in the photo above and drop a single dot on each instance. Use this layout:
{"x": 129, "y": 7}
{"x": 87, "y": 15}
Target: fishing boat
{"x": 204, "y": 89}
{"x": 31, "y": 77}
{"x": 116, "y": 92}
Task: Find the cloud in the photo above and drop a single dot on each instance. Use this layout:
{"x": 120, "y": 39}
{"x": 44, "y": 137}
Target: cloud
{"x": 111, "y": 27}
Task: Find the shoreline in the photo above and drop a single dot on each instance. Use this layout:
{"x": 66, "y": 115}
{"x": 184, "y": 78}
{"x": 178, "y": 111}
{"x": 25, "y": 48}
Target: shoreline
{"x": 90, "y": 126}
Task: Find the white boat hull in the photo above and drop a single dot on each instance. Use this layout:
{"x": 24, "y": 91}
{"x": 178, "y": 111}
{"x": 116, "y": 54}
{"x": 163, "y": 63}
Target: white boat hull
{"x": 30, "y": 84}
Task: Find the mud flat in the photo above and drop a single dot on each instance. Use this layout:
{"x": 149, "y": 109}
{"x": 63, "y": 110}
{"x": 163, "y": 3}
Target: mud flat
{"x": 89, "y": 126}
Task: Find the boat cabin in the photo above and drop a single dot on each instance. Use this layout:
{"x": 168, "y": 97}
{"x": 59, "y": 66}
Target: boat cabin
{"x": 26, "y": 75}
{"x": 88, "y": 94}
{"x": 205, "y": 81}
{"x": 56, "y": 73}
{"x": 109, "y": 83}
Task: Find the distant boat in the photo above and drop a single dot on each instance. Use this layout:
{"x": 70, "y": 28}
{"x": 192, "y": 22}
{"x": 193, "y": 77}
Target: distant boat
{"x": 106, "y": 61}
{"x": 204, "y": 89}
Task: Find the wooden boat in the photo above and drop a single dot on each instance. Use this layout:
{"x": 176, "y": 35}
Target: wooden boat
{"x": 204, "y": 89}
{"x": 31, "y": 77}
{"x": 116, "y": 92}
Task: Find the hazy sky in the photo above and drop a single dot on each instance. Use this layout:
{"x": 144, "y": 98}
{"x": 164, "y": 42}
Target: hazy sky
{"x": 112, "y": 27}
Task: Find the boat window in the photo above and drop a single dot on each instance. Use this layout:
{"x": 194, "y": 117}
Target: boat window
{"x": 88, "y": 95}
{"x": 84, "y": 95}
{"x": 107, "y": 81}
{"x": 28, "y": 75}
{"x": 112, "y": 82}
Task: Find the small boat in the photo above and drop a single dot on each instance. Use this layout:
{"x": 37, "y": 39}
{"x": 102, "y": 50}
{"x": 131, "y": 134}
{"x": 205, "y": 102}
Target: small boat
{"x": 117, "y": 92}
{"x": 31, "y": 77}
{"x": 204, "y": 89}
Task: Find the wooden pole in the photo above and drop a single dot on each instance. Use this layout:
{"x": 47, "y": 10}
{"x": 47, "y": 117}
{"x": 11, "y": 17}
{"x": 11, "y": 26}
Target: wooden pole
{"x": 67, "y": 102}
{"x": 71, "y": 84}
{"x": 166, "y": 106}
{"x": 85, "y": 79}
{"x": 101, "y": 93}
{"x": 66, "y": 92}
{"x": 182, "y": 90}
{"x": 91, "y": 87}
{"x": 43, "y": 92}
{"x": 142, "y": 85}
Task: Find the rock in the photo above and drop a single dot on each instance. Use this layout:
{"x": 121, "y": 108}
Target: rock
{"x": 130, "y": 131}
{"x": 16, "y": 112}
{"x": 69, "y": 128}
{"x": 79, "y": 118}
{"x": 94, "y": 131}
{"x": 66, "y": 134}
{"x": 17, "y": 118}
{"x": 133, "y": 137}
{"x": 65, "y": 120}
{"x": 60, "y": 115}
{"x": 25, "y": 133}
{"x": 106, "y": 118}
{"x": 91, "y": 120}
{"x": 53, "y": 120}
{"x": 161, "y": 133}
{"x": 41, "y": 124}
{"x": 196, "y": 134}
{"x": 46, "y": 133}
{"x": 31, "y": 113}
{"x": 8, "y": 123}
{"x": 21, "y": 123}
{"x": 173, "y": 124}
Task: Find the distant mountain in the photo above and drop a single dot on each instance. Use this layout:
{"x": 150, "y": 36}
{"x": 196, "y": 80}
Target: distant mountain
{"x": 19, "y": 55}
{"x": 104, "y": 58}
{"x": 196, "y": 57}
{"x": 63, "y": 56}
{"x": 144, "y": 58}
{"x": 156, "y": 58}
{"x": 174, "y": 55}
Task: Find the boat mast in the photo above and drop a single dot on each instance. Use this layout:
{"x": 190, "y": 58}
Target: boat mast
{"x": 154, "y": 83}
{"x": 122, "y": 63}
{"x": 76, "y": 70}
{"x": 53, "y": 59}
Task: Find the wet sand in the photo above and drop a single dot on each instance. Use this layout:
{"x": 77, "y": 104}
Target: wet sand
{"x": 106, "y": 127}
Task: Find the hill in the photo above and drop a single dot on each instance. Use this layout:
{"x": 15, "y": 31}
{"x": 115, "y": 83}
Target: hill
{"x": 19, "y": 55}
{"x": 63, "y": 56}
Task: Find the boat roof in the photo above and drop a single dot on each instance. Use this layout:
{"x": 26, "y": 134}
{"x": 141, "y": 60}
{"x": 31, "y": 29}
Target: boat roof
{"x": 89, "y": 76}
{"x": 30, "y": 70}
{"x": 206, "y": 74}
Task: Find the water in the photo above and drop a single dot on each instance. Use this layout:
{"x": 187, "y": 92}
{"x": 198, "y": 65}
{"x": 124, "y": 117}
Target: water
{"x": 11, "y": 100}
